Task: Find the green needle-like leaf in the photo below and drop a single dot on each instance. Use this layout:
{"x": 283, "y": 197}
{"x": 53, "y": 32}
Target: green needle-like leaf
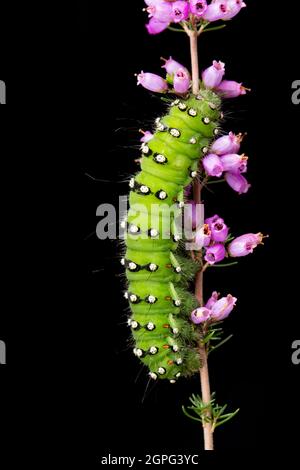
{"x": 215, "y": 28}
{"x": 226, "y": 418}
{"x": 224, "y": 265}
{"x": 177, "y": 30}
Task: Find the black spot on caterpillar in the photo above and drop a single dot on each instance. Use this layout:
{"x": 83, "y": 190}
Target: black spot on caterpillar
{"x": 165, "y": 339}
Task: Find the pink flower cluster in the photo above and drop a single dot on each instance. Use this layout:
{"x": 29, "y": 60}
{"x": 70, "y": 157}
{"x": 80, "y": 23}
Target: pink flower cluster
{"x": 164, "y": 12}
{"x": 213, "y": 236}
{"x": 212, "y": 78}
{"x": 224, "y": 159}
{"x": 214, "y": 310}
{"x": 177, "y": 75}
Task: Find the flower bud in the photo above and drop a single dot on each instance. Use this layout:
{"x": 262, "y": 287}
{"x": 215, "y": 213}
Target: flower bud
{"x": 215, "y": 253}
{"x": 212, "y": 165}
{"x": 181, "y": 11}
{"x": 237, "y": 182}
{"x": 219, "y": 231}
{"x": 212, "y": 220}
{"x": 172, "y": 66}
{"x": 227, "y": 144}
{"x": 200, "y": 315}
{"x": 155, "y": 26}
{"x": 245, "y": 244}
{"x": 152, "y": 82}
{"x": 234, "y": 7}
{"x": 213, "y": 75}
{"x": 198, "y": 7}
{"x": 231, "y": 89}
{"x": 234, "y": 163}
{"x": 223, "y": 307}
{"x": 146, "y": 136}
{"x": 160, "y": 10}
{"x": 212, "y": 300}
{"x": 203, "y": 237}
{"x": 181, "y": 82}
{"x": 216, "y": 11}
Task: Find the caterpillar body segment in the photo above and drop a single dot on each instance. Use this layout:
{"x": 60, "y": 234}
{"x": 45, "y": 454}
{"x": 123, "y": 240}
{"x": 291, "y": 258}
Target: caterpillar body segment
{"x": 157, "y": 274}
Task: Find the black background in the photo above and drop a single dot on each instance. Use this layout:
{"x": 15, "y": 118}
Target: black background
{"x": 72, "y": 144}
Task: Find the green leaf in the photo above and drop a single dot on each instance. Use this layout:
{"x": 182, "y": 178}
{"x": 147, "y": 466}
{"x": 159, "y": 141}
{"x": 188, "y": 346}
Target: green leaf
{"x": 215, "y": 28}
{"x": 216, "y": 181}
{"x": 226, "y": 418}
{"x": 176, "y": 30}
{"x": 222, "y": 265}
{"x": 212, "y": 348}
{"x": 190, "y": 416}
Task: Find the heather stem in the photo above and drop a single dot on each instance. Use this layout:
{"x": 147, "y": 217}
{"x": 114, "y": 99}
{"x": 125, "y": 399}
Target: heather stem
{"x": 204, "y": 374}
{"x": 194, "y": 57}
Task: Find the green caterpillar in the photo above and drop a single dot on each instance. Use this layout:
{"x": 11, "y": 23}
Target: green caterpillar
{"x": 157, "y": 274}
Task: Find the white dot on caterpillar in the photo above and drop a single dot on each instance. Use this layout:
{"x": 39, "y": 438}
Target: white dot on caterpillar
{"x": 161, "y": 127}
{"x": 134, "y": 325}
{"x": 145, "y": 149}
{"x": 182, "y": 106}
{"x": 122, "y": 261}
{"x": 126, "y": 295}
{"x": 204, "y": 149}
{"x": 132, "y": 265}
{"x": 192, "y": 112}
{"x": 161, "y": 370}
{"x": 144, "y": 189}
{"x": 175, "y": 348}
{"x": 133, "y": 298}
{"x": 178, "y": 374}
{"x": 177, "y": 303}
{"x": 199, "y": 97}
{"x": 151, "y": 299}
{"x": 193, "y": 174}
{"x": 139, "y": 353}
{"x": 160, "y": 158}
{"x": 175, "y": 132}
{"x": 157, "y": 121}
{"x": 153, "y": 375}
{"x": 134, "y": 229}
{"x": 206, "y": 120}
{"x": 153, "y": 267}
{"x": 216, "y": 131}
{"x": 153, "y": 350}
{"x": 178, "y": 269}
{"x": 172, "y": 381}
{"x": 162, "y": 195}
{"x": 193, "y": 140}
{"x": 153, "y": 232}
{"x": 150, "y": 326}
{"x": 175, "y": 331}
{"x": 178, "y": 361}
{"x": 213, "y": 106}
{"x": 131, "y": 183}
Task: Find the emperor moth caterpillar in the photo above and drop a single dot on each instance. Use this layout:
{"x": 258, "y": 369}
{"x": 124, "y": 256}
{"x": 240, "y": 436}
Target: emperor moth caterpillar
{"x": 156, "y": 273}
